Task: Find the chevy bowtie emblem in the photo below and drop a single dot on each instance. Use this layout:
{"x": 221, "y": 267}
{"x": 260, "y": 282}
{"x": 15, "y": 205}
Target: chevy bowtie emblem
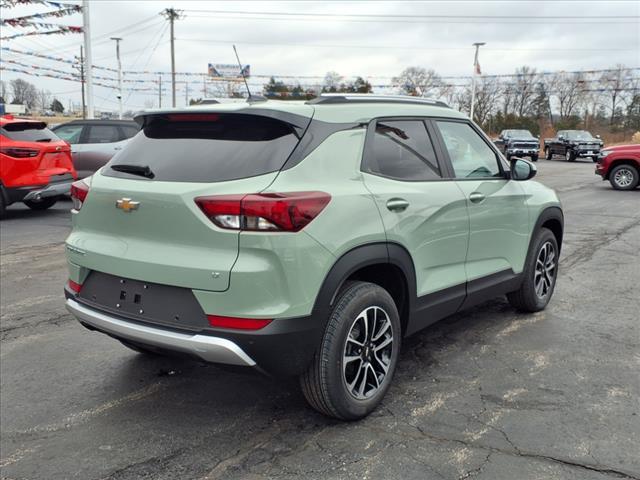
{"x": 127, "y": 205}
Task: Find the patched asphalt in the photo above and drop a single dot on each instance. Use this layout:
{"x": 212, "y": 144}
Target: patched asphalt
{"x": 485, "y": 394}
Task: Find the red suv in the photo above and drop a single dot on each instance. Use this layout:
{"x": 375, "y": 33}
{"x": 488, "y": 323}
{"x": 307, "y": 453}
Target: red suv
{"x": 35, "y": 165}
{"x": 620, "y": 165}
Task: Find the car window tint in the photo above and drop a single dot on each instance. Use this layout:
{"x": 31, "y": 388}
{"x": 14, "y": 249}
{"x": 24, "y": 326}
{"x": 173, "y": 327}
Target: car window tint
{"x": 213, "y": 147}
{"x": 28, "y": 132}
{"x": 102, "y": 134}
{"x": 403, "y": 150}
{"x": 470, "y": 156}
{"x": 69, "y": 133}
{"x": 128, "y": 131}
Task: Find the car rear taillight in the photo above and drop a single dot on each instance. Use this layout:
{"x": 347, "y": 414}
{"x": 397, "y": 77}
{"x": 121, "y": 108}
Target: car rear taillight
{"x": 73, "y": 286}
{"x": 79, "y": 192}
{"x": 264, "y": 212}
{"x": 238, "y": 323}
{"x": 16, "y": 152}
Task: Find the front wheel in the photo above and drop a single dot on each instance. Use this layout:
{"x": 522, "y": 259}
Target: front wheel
{"x": 569, "y": 155}
{"x": 353, "y": 367}
{"x": 624, "y": 177}
{"x": 540, "y": 273}
{"x": 547, "y": 153}
{"x": 534, "y": 158}
{"x": 42, "y": 204}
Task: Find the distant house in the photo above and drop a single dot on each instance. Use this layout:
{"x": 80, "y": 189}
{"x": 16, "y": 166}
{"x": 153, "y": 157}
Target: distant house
{"x": 11, "y": 108}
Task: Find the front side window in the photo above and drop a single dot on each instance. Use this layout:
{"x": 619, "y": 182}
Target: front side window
{"x": 470, "y": 156}
{"x": 103, "y": 134}
{"x": 402, "y": 150}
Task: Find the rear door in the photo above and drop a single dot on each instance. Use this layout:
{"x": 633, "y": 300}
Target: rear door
{"x": 498, "y": 213}
{"x": 421, "y": 209}
{"x": 163, "y": 236}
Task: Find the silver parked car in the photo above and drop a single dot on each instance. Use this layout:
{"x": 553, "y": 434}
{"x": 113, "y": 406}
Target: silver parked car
{"x": 94, "y": 142}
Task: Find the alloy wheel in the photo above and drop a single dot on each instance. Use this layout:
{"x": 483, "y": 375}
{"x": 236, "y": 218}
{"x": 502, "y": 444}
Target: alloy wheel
{"x": 545, "y": 271}
{"x": 623, "y": 177}
{"x": 367, "y": 353}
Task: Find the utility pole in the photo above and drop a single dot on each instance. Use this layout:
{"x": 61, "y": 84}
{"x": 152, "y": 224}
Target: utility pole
{"x": 84, "y": 106}
{"x": 476, "y": 71}
{"x": 117, "y": 40}
{"x": 172, "y": 15}
{"x": 87, "y": 51}
{"x": 159, "y": 91}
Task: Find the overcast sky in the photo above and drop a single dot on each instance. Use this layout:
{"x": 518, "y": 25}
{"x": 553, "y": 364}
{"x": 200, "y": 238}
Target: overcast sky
{"x": 309, "y": 39}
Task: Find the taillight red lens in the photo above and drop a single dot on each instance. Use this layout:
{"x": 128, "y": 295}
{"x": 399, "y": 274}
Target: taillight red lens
{"x": 289, "y": 212}
{"x": 238, "y": 323}
{"x": 76, "y": 287}
{"x": 79, "y": 192}
{"x": 15, "y": 152}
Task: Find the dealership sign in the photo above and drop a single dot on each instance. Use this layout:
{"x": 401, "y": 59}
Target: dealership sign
{"x": 221, "y": 70}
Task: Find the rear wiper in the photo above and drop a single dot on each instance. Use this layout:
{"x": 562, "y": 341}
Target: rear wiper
{"x": 142, "y": 170}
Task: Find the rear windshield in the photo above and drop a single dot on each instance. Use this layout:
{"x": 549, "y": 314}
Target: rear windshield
{"x": 207, "y": 147}
{"x": 29, "y": 132}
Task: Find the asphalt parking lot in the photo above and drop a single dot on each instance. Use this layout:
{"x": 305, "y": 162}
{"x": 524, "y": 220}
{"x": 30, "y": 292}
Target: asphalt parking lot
{"x": 485, "y": 394}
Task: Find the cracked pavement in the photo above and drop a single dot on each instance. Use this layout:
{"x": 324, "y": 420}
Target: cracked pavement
{"x": 486, "y": 394}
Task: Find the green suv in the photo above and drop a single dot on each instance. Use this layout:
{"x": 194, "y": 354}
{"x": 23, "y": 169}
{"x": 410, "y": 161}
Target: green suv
{"x": 306, "y": 239}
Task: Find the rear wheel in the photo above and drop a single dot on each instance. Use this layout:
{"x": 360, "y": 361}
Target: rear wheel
{"x": 547, "y": 153}
{"x": 42, "y": 204}
{"x": 354, "y": 365}
{"x": 540, "y": 273}
{"x": 3, "y": 207}
{"x": 624, "y": 177}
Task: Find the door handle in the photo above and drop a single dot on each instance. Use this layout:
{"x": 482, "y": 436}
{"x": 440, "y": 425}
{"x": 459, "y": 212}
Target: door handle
{"x": 397, "y": 204}
{"x": 117, "y": 148}
{"x": 477, "y": 197}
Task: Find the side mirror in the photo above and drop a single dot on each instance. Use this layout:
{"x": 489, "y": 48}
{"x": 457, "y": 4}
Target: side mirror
{"x": 598, "y": 137}
{"x": 522, "y": 169}
{"x": 560, "y": 137}
{"x": 538, "y": 137}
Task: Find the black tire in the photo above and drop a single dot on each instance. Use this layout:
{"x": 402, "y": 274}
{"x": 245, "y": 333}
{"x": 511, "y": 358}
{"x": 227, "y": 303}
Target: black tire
{"x": 508, "y": 157}
{"x": 527, "y": 298}
{"x": 569, "y": 155}
{"x": 534, "y": 158}
{"x": 3, "y": 207}
{"x": 624, "y": 177}
{"x": 324, "y": 384}
{"x": 547, "y": 153}
{"x": 595, "y": 159}
{"x": 140, "y": 349}
{"x": 42, "y": 204}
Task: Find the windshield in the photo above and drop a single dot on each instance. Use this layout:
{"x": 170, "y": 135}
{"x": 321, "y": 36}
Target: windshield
{"x": 28, "y": 132}
{"x": 579, "y": 135}
{"x": 519, "y": 134}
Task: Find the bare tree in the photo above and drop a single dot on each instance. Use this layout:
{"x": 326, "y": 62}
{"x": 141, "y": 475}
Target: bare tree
{"x": 3, "y": 91}
{"x": 24, "y": 93}
{"x": 524, "y": 90}
{"x": 615, "y": 84}
{"x": 568, "y": 89}
{"x": 331, "y": 82}
{"x": 44, "y": 100}
{"x": 488, "y": 90}
{"x": 418, "y": 81}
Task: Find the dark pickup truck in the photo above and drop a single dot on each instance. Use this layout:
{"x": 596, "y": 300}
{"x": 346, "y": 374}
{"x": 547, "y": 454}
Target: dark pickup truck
{"x": 572, "y": 144}
{"x": 518, "y": 143}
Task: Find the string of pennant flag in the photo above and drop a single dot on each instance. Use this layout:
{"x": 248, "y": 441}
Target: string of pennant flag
{"x": 48, "y": 3}
{"x": 63, "y": 30}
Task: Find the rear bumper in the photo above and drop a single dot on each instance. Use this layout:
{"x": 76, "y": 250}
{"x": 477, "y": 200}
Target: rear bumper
{"x": 60, "y": 186}
{"x": 206, "y": 347}
{"x": 284, "y": 348}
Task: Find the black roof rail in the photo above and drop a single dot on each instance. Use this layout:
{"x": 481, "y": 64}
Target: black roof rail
{"x": 341, "y": 98}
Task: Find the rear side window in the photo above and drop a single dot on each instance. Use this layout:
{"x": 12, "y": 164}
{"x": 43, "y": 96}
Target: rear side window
{"x": 102, "y": 134}
{"x": 70, "y": 133}
{"x": 128, "y": 131}
{"x": 29, "y": 132}
{"x": 208, "y": 148}
{"x": 402, "y": 150}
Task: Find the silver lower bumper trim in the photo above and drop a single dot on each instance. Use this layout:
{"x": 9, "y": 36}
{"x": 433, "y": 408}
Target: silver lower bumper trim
{"x": 210, "y": 349}
{"x": 53, "y": 190}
